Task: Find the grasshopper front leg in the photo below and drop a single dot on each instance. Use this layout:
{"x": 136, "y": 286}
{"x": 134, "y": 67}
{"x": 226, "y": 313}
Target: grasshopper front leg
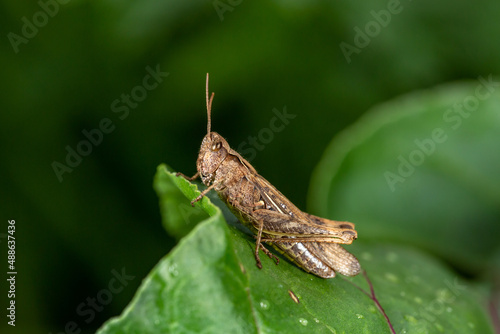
{"x": 192, "y": 178}
{"x": 203, "y": 193}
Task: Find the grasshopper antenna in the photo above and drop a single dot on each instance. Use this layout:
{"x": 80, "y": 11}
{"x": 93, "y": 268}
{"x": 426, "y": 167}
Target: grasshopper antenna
{"x": 209, "y": 108}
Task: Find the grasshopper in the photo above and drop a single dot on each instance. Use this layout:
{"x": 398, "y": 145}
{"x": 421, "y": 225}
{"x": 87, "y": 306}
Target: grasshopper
{"x": 311, "y": 242}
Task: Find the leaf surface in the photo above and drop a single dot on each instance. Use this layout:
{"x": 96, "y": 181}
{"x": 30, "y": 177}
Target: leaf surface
{"x": 209, "y": 283}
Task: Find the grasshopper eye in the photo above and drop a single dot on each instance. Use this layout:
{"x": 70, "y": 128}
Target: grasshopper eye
{"x": 215, "y": 147}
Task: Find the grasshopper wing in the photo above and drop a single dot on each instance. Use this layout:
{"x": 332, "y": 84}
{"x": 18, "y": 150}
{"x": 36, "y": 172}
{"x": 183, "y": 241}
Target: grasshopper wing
{"x": 335, "y": 257}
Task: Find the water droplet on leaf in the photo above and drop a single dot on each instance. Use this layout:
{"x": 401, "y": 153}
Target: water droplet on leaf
{"x": 264, "y": 304}
{"x": 410, "y": 318}
{"x": 366, "y": 256}
{"x": 391, "y": 277}
{"x": 392, "y": 257}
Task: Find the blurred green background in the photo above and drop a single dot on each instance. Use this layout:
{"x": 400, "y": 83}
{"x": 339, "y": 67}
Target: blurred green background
{"x": 69, "y": 65}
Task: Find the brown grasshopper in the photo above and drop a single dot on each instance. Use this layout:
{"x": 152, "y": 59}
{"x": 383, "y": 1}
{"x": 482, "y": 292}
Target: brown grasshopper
{"x": 309, "y": 241}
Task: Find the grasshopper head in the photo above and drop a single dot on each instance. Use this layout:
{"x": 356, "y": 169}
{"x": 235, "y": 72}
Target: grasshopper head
{"x": 214, "y": 149}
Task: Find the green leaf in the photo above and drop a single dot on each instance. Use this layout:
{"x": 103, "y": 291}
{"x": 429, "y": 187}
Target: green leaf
{"x": 422, "y": 170}
{"x": 209, "y": 283}
{"x": 178, "y": 216}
